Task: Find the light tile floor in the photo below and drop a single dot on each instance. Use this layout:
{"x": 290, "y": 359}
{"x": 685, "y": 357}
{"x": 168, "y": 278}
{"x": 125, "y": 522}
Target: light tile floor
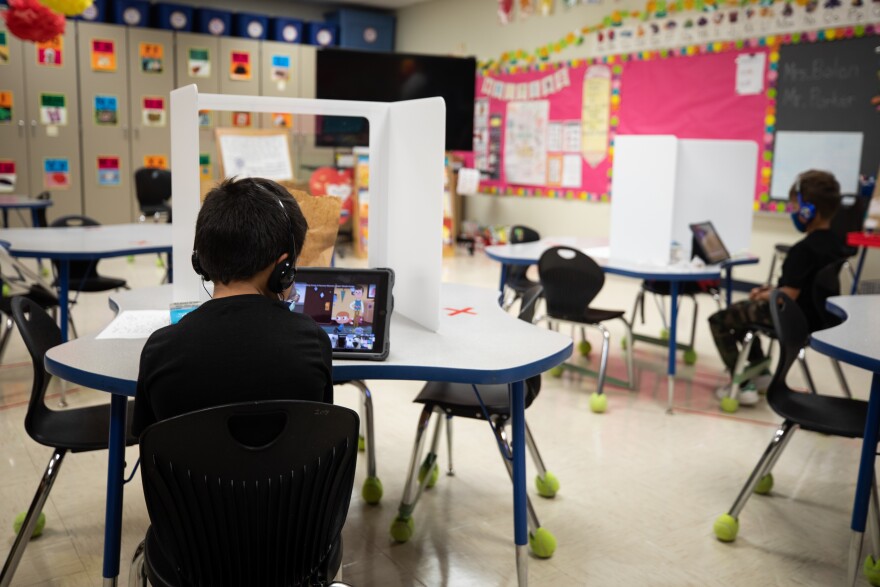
{"x": 640, "y": 488}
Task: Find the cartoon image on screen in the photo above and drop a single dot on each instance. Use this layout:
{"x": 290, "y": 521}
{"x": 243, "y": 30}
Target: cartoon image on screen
{"x": 709, "y": 243}
{"x": 345, "y": 312}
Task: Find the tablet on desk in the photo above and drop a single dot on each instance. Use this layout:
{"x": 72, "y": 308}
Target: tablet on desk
{"x": 353, "y": 306}
{"x": 707, "y": 244}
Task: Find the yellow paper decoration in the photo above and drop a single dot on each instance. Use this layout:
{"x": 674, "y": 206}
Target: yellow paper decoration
{"x": 67, "y": 7}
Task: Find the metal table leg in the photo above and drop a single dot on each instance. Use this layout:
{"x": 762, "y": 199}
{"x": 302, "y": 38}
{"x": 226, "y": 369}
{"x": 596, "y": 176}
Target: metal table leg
{"x": 673, "y": 336}
{"x": 520, "y": 522}
{"x": 115, "y": 476}
{"x": 865, "y": 481}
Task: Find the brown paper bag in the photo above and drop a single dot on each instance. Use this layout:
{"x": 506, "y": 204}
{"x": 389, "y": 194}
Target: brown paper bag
{"x": 322, "y": 214}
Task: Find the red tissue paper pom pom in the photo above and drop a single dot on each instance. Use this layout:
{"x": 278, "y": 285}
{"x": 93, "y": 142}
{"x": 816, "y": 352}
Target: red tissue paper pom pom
{"x": 31, "y": 21}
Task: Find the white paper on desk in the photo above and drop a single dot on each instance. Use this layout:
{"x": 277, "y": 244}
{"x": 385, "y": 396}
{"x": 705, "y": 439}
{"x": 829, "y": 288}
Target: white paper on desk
{"x": 136, "y": 324}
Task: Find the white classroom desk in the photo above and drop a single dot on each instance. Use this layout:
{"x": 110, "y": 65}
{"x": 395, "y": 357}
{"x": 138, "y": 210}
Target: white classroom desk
{"x": 857, "y": 341}
{"x": 530, "y": 253}
{"x": 457, "y": 352}
{"x": 18, "y": 202}
{"x": 87, "y": 243}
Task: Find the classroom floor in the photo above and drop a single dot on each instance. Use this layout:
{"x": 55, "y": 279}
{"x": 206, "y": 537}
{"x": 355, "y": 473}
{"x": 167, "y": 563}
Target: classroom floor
{"x": 640, "y": 489}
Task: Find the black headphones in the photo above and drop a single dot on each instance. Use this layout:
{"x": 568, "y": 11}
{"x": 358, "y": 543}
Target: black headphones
{"x": 284, "y": 273}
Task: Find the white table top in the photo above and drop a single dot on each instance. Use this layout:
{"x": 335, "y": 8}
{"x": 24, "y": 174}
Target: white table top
{"x": 483, "y": 344}
{"x": 111, "y": 240}
{"x": 529, "y": 253}
{"x": 857, "y": 340}
{"x": 20, "y": 201}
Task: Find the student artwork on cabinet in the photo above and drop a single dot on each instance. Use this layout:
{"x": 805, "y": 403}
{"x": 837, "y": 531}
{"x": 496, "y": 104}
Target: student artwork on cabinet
{"x": 5, "y": 107}
{"x": 7, "y": 176}
{"x": 547, "y": 131}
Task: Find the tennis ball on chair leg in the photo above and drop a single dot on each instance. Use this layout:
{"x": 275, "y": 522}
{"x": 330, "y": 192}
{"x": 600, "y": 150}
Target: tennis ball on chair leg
{"x": 726, "y": 528}
{"x": 38, "y": 529}
{"x": 584, "y": 347}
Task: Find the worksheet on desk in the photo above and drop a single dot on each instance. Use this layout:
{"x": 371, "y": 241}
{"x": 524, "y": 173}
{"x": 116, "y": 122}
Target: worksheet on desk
{"x": 135, "y": 324}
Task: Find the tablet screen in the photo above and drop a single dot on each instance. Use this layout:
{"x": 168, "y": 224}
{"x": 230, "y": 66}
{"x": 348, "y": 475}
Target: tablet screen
{"x": 353, "y": 306}
{"x": 711, "y": 249}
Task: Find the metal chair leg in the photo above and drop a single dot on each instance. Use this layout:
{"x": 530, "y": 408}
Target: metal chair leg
{"x": 630, "y": 371}
{"x": 33, "y": 514}
{"x": 536, "y": 456}
{"x": 412, "y": 490}
{"x": 501, "y": 438}
{"x": 768, "y": 459}
{"x": 7, "y": 332}
{"x": 694, "y": 323}
{"x": 603, "y": 361}
{"x": 137, "y": 572}
{"x": 367, "y": 422}
{"x": 450, "y": 471}
{"x": 741, "y": 360}
{"x": 874, "y": 520}
{"x": 802, "y": 359}
{"x": 840, "y": 379}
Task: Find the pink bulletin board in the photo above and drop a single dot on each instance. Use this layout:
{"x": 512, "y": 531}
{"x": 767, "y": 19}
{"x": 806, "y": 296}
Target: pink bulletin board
{"x": 705, "y": 96}
{"x": 572, "y": 140}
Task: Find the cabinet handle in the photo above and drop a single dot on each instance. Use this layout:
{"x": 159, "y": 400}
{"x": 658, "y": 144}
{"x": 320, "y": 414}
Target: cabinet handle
{"x": 21, "y": 125}
{"x": 125, "y": 132}
{"x": 33, "y": 128}
{"x": 137, "y": 133}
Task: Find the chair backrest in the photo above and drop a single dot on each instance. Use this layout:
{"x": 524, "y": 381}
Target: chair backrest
{"x": 152, "y": 186}
{"x": 520, "y": 234}
{"x": 79, "y": 270}
{"x": 571, "y": 280}
{"x": 18, "y": 278}
{"x": 793, "y": 334}
{"x": 827, "y": 284}
{"x": 40, "y": 333}
{"x": 850, "y": 217}
{"x": 250, "y": 494}
{"x": 42, "y": 221}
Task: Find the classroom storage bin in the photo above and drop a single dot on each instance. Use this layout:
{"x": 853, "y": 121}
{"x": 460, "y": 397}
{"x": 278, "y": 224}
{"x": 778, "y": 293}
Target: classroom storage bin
{"x": 97, "y": 12}
{"x": 174, "y": 17}
{"x": 364, "y": 29}
{"x": 322, "y": 34}
{"x": 214, "y": 22}
{"x": 286, "y": 30}
{"x": 250, "y": 26}
{"x": 131, "y": 12}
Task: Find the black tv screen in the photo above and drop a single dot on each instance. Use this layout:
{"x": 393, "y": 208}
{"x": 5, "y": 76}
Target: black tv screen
{"x": 391, "y": 77}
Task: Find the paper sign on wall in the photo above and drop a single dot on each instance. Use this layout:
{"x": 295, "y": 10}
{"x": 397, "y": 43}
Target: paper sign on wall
{"x": 154, "y": 111}
{"x": 595, "y": 114}
{"x": 750, "y": 74}
{"x": 56, "y": 173}
{"x": 240, "y": 66}
{"x": 106, "y": 110}
{"x": 280, "y": 70}
{"x": 5, "y": 107}
{"x": 206, "y": 118}
{"x": 152, "y": 55}
{"x": 51, "y": 53}
{"x": 156, "y": 161}
{"x": 108, "y": 171}
{"x": 103, "y": 55}
{"x": 199, "y": 63}
{"x": 282, "y": 120}
{"x": 53, "y": 109}
{"x": 525, "y": 142}
{"x": 241, "y": 119}
{"x": 4, "y": 48}
{"x": 7, "y": 176}
{"x": 204, "y": 166}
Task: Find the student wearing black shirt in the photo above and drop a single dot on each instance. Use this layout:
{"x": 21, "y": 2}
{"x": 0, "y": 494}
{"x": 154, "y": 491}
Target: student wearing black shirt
{"x": 815, "y": 198}
{"x": 244, "y": 344}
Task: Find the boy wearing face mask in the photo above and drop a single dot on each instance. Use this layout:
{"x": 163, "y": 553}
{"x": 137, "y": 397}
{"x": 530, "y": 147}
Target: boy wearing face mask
{"x": 815, "y": 198}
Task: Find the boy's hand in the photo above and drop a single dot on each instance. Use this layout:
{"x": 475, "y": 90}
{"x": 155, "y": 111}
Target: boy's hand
{"x": 760, "y": 293}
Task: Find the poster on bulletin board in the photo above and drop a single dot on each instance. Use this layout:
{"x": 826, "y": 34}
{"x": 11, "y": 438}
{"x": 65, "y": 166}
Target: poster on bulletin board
{"x": 547, "y": 131}
{"x": 103, "y": 55}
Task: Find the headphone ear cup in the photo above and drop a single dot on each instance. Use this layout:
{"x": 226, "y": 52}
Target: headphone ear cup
{"x": 197, "y": 266}
{"x": 282, "y": 277}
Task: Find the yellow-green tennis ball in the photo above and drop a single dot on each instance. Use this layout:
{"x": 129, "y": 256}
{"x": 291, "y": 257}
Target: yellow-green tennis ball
{"x": 542, "y": 543}
{"x": 584, "y": 347}
{"x": 372, "y": 490}
{"x": 726, "y": 528}
{"x": 6, "y": 290}
{"x": 598, "y": 403}
{"x": 38, "y": 529}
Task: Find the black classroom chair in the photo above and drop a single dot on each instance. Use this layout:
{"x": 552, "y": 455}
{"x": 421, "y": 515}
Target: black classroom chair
{"x": 84, "y": 276}
{"x": 152, "y": 188}
{"x": 517, "y": 283}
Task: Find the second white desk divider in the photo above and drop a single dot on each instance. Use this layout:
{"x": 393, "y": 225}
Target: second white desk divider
{"x": 661, "y": 184}
{"x": 406, "y": 187}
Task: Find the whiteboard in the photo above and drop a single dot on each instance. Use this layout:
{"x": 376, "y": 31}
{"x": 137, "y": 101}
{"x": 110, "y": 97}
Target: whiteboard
{"x": 839, "y": 153}
{"x": 255, "y": 155}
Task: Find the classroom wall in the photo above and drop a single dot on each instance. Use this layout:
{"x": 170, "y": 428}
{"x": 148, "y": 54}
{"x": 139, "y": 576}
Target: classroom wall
{"x": 465, "y": 27}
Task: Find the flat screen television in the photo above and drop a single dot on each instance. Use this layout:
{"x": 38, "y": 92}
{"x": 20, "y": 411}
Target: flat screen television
{"x": 391, "y": 77}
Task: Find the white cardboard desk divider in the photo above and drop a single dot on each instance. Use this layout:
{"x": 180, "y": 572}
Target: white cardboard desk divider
{"x": 661, "y": 184}
{"x": 406, "y": 187}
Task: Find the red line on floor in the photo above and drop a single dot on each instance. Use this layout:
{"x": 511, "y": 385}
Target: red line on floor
{"x": 723, "y": 416}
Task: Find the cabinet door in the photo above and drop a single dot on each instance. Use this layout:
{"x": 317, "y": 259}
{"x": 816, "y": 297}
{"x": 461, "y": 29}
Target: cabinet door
{"x": 197, "y": 61}
{"x": 239, "y": 75}
{"x": 50, "y": 74}
{"x": 13, "y": 120}
{"x": 151, "y": 79}
{"x": 279, "y": 76}
{"x": 106, "y": 131}
{"x": 308, "y": 156}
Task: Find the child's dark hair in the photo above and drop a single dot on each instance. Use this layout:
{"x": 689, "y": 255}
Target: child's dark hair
{"x": 819, "y": 188}
{"x": 241, "y": 230}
